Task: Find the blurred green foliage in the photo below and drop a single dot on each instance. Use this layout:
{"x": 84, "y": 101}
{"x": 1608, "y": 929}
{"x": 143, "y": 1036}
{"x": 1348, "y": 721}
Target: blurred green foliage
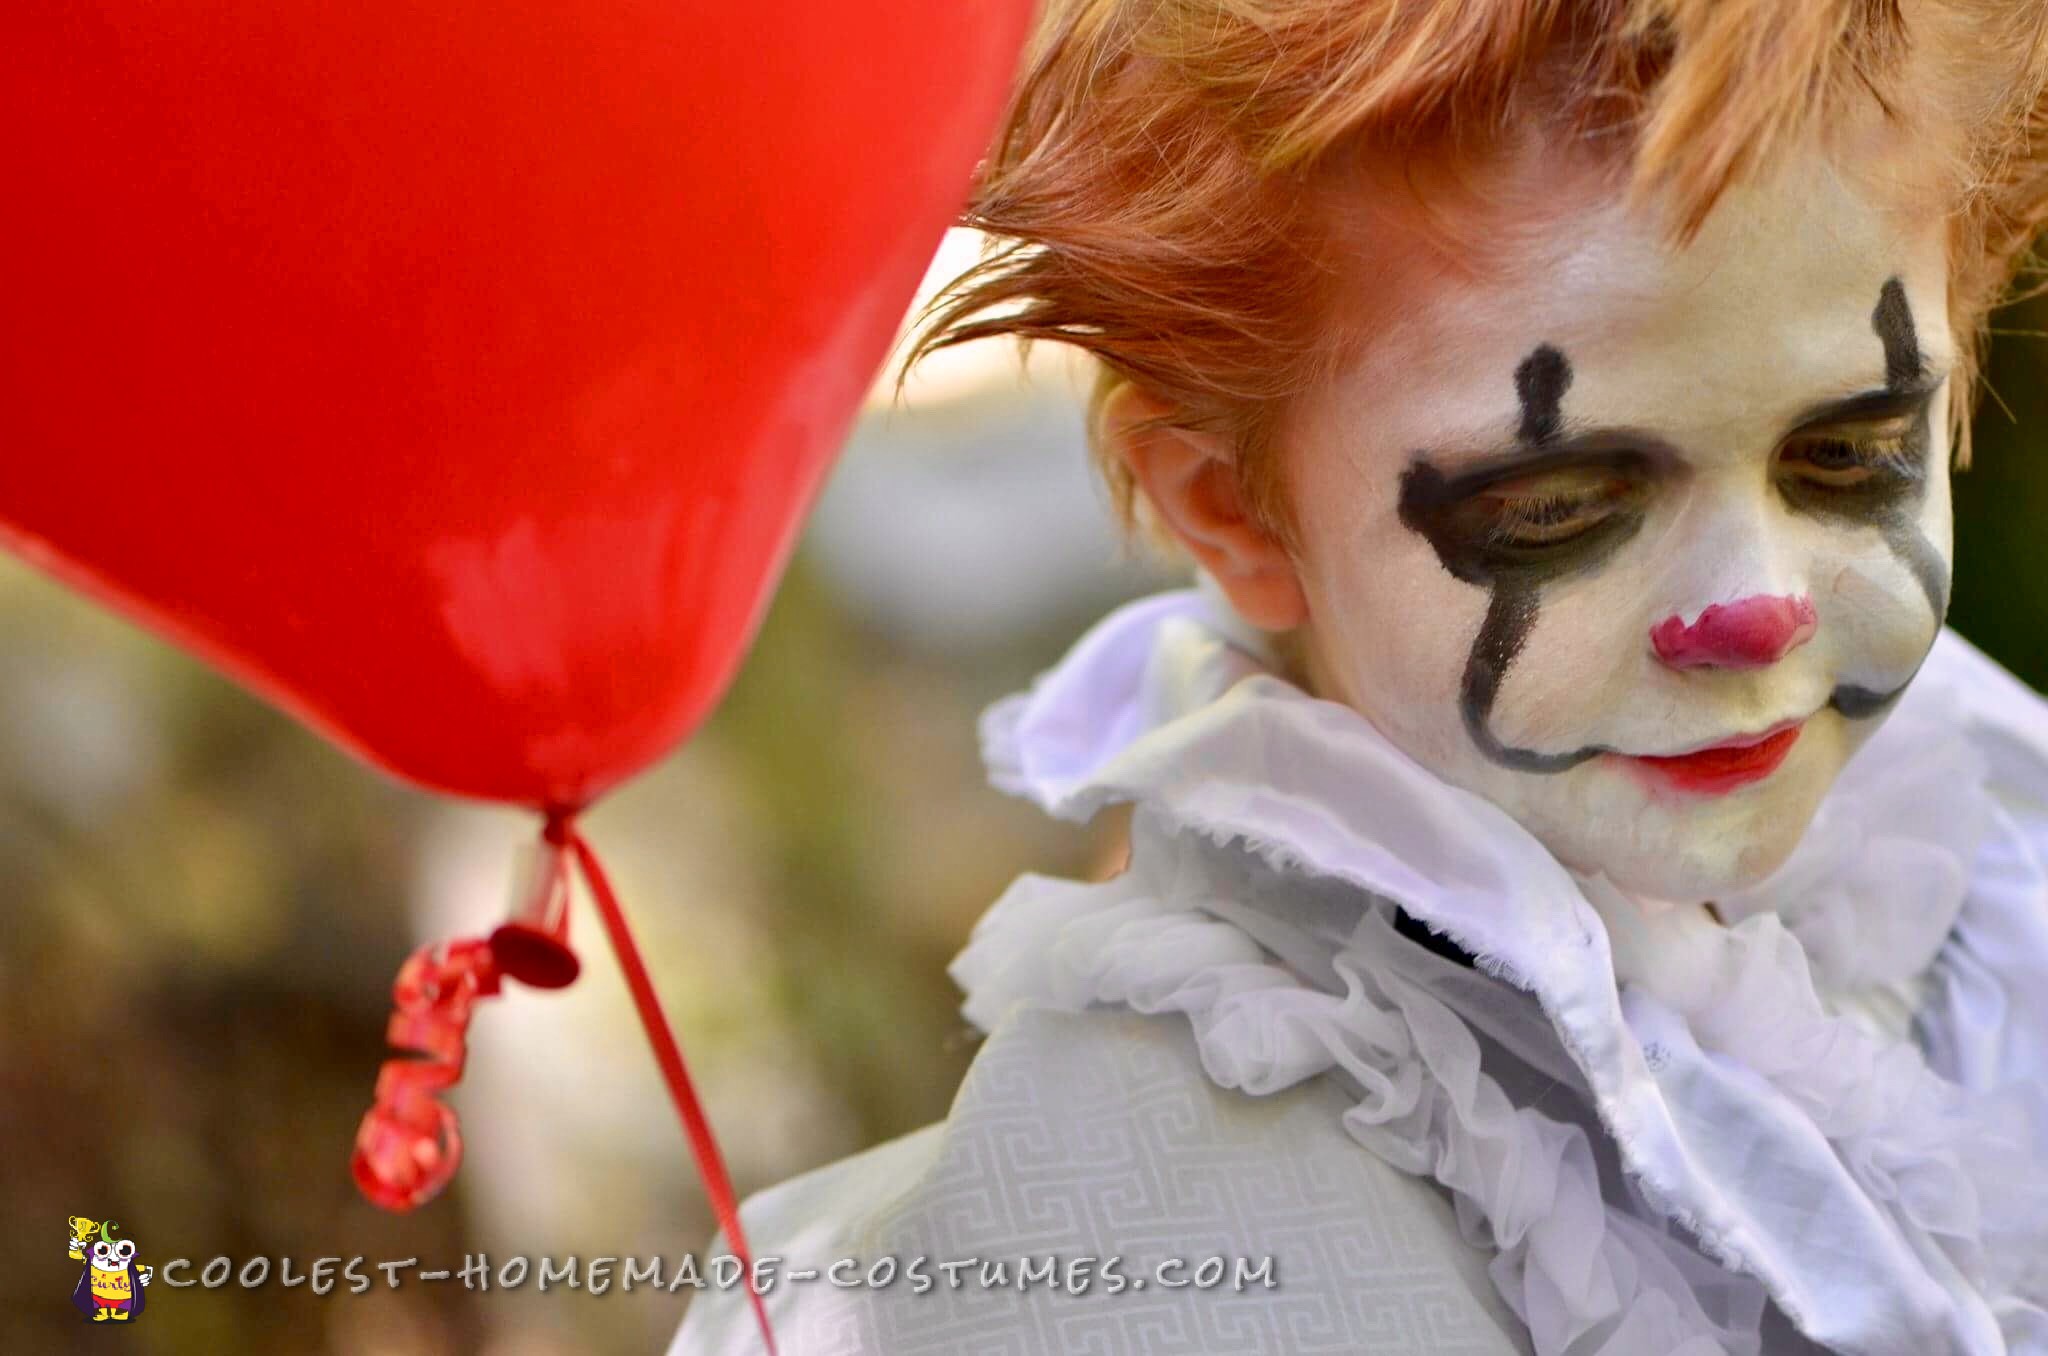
{"x": 2001, "y": 590}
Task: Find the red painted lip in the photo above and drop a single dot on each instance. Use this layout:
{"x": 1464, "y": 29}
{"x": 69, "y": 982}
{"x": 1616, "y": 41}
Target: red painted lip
{"x": 1720, "y": 768}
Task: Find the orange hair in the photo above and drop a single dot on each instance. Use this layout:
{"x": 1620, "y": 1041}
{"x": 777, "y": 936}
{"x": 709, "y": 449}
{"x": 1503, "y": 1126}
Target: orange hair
{"x": 1150, "y": 195}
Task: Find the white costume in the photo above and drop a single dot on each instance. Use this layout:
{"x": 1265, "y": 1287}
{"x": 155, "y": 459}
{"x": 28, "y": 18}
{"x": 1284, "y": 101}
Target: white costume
{"x": 1628, "y": 1130}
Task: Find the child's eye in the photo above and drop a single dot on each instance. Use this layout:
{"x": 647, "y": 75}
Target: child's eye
{"x": 1844, "y": 461}
{"x": 1552, "y": 508}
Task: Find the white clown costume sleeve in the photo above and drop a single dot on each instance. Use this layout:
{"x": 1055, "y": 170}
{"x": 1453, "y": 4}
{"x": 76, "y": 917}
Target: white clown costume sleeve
{"x": 1097, "y": 1135}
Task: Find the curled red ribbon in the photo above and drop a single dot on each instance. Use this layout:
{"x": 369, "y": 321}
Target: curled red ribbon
{"x": 410, "y": 1142}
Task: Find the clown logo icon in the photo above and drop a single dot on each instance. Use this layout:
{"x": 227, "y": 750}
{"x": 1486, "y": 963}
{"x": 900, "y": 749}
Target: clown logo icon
{"x": 112, "y": 1285}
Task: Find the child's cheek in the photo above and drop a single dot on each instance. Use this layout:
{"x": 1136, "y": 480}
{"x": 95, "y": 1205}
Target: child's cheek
{"x": 1394, "y": 632}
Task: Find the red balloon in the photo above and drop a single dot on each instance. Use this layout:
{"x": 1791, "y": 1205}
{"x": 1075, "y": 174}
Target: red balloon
{"x": 456, "y": 374}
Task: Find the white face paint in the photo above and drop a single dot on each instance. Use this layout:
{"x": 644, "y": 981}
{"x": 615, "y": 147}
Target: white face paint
{"x": 1632, "y": 503}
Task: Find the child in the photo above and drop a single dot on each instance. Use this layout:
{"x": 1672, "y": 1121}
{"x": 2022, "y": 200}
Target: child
{"x": 1557, "y": 400}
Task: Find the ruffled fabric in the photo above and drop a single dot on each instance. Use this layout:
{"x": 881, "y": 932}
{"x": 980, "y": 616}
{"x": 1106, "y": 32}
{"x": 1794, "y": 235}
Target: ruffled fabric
{"x": 1609, "y": 1072}
{"x": 1938, "y": 1161}
{"x": 1583, "y": 1276}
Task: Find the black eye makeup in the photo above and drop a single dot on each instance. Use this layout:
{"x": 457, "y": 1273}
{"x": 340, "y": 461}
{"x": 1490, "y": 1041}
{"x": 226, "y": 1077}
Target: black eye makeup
{"x": 1549, "y": 507}
{"x": 1855, "y": 459}
{"x": 1539, "y": 511}
{"x": 1888, "y": 498}
{"x": 1850, "y": 465}
{"x": 1844, "y": 461}
{"x": 1545, "y": 514}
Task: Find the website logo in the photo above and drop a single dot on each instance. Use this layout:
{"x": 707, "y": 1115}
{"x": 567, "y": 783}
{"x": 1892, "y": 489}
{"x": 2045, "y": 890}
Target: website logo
{"x": 111, "y": 1288}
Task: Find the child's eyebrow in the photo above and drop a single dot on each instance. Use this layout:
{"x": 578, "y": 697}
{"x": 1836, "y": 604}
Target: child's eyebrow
{"x": 1466, "y": 469}
{"x": 1465, "y": 466}
{"x": 1887, "y": 402}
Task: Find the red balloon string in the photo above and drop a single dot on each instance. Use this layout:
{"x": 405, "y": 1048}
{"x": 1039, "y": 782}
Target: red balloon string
{"x": 410, "y": 1142}
{"x": 669, "y": 1055}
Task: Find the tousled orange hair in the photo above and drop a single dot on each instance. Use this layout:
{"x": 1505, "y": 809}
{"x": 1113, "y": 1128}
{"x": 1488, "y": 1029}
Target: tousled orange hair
{"x": 1150, "y": 195}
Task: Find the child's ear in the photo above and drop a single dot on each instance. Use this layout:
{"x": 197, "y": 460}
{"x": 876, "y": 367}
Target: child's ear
{"x": 1191, "y": 483}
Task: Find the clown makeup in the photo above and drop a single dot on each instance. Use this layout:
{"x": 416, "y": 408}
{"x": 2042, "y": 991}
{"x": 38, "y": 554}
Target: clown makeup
{"x": 1640, "y": 542}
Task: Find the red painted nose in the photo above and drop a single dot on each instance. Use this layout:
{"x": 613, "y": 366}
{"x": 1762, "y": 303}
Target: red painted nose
{"x": 1741, "y": 635}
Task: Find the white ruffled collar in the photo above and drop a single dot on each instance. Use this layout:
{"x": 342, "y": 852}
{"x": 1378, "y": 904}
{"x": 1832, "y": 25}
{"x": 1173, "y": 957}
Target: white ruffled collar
{"x": 1924, "y": 1231}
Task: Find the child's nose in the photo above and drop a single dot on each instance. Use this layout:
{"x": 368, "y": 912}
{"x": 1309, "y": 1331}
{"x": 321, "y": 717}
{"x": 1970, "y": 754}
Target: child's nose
{"x": 1747, "y": 634}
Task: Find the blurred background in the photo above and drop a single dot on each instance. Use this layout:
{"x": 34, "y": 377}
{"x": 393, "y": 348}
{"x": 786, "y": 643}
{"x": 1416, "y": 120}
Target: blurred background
{"x": 205, "y": 904}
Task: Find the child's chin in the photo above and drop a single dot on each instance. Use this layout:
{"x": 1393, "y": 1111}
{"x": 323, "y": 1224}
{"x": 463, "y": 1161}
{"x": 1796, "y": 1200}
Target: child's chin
{"x": 1680, "y": 851}
{"x": 1691, "y": 858}
{"x": 1700, "y": 874}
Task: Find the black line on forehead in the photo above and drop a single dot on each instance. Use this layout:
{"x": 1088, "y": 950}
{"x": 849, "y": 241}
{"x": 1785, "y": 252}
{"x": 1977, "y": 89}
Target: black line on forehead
{"x": 1541, "y": 380}
{"x": 1893, "y": 320}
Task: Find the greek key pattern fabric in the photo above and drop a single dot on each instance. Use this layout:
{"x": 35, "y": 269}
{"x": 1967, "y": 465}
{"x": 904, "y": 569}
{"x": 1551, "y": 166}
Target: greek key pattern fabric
{"x": 1097, "y": 1135}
